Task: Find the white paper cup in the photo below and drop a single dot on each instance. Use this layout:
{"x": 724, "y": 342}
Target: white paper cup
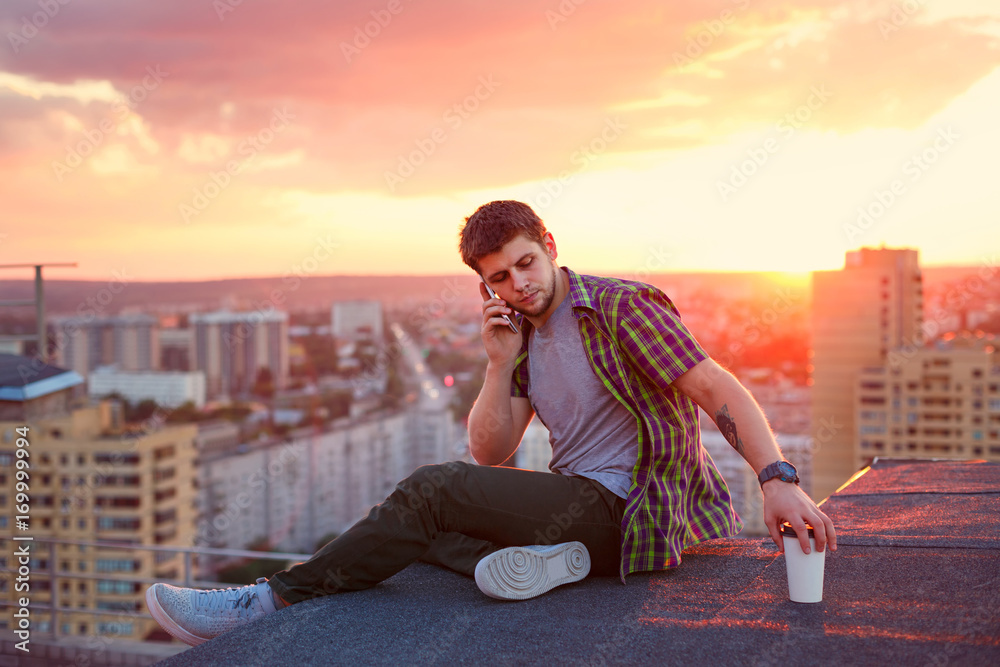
{"x": 805, "y": 571}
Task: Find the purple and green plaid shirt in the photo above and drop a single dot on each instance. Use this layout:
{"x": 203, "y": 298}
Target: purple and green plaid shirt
{"x": 637, "y": 346}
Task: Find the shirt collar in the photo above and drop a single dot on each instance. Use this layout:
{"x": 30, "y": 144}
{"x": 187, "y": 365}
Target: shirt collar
{"x": 578, "y": 295}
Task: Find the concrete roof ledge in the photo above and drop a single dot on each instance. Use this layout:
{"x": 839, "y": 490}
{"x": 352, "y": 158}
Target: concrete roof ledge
{"x": 916, "y": 578}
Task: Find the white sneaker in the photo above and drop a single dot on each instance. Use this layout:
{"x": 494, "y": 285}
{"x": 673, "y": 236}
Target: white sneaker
{"x": 519, "y": 573}
{"x": 195, "y": 616}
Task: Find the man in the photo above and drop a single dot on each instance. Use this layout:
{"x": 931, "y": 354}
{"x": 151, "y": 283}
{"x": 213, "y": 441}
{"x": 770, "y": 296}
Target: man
{"x": 617, "y": 379}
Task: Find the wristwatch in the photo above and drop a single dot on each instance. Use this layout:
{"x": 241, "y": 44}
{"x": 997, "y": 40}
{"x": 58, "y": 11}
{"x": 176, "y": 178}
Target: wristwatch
{"x": 783, "y": 470}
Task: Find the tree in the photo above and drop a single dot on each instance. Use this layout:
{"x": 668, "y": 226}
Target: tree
{"x": 264, "y": 384}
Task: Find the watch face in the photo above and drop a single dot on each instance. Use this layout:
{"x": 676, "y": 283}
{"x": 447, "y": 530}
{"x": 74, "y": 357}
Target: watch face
{"x": 787, "y": 472}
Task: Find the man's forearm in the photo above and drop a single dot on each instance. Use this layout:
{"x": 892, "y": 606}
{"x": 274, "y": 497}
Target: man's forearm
{"x": 490, "y": 418}
{"x": 742, "y": 422}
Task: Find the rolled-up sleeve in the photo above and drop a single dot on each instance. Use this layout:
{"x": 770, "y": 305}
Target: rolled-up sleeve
{"x": 654, "y": 339}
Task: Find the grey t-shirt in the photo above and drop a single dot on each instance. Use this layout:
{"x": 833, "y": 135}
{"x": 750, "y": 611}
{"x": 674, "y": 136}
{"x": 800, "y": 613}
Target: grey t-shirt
{"x": 592, "y": 434}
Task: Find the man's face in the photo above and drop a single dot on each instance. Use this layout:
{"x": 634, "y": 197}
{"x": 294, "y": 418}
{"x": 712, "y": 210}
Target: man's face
{"x": 523, "y": 273}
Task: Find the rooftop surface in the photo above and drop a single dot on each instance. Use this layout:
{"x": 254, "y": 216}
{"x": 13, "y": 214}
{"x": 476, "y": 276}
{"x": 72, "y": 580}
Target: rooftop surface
{"x": 916, "y": 580}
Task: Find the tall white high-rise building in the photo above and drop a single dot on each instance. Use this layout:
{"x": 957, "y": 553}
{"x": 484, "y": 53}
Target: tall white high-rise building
{"x": 129, "y": 342}
{"x": 232, "y": 349}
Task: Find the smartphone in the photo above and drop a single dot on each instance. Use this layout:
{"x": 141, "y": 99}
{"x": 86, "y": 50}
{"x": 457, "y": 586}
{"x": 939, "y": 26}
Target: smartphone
{"x": 510, "y": 322}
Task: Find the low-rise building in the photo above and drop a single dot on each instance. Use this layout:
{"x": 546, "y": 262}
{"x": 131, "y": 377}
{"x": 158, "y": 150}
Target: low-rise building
{"x": 168, "y": 389}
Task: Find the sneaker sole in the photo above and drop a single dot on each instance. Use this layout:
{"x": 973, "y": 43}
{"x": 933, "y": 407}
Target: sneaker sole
{"x": 167, "y": 623}
{"x": 518, "y": 573}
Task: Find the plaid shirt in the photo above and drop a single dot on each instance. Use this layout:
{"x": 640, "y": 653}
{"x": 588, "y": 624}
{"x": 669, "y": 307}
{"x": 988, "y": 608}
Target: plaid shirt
{"x": 637, "y": 346}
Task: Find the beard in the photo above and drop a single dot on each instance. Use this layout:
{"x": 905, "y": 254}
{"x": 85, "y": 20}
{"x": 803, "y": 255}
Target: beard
{"x": 545, "y": 293}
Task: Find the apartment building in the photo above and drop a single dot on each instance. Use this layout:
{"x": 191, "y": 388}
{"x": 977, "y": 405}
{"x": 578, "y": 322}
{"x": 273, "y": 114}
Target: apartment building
{"x": 232, "y": 348}
{"x": 290, "y": 492}
{"x": 937, "y": 402}
{"x": 130, "y": 342}
{"x": 92, "y": 478}
{"x": 859, "y": 314}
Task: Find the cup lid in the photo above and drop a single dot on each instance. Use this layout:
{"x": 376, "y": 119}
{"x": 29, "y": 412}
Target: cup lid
{"x": 786, "y": 529}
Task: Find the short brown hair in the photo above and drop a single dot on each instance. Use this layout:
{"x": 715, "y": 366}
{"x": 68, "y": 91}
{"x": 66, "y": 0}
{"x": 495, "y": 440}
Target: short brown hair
{"x": 493, "y": 225}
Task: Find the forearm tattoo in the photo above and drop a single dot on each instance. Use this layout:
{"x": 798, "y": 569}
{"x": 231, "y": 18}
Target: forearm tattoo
{"x": 727, "y": 425}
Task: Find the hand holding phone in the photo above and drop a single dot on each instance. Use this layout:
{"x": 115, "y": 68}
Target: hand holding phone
{"x": 510, "y": 322}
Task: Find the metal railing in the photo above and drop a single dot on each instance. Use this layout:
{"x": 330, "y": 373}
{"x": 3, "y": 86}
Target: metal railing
{"x": 53, "y": 575}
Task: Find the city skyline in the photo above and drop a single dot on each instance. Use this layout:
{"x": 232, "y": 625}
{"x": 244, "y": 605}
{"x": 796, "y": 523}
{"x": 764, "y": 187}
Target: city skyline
{"x": 730, "y": 135}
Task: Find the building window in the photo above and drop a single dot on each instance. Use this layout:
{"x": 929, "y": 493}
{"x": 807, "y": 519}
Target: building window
{"x": 116, "y": 565}
{"x": 164, "y": 452}
{"x": 118, "y": 523}
{"x": 114, "y": 628}
{"x": 116, "y": 458}
{"x": 108, "y": 587}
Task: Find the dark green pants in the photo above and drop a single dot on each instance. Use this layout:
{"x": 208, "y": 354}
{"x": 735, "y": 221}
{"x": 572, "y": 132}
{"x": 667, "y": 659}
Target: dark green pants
{"x": 453, "y": 515}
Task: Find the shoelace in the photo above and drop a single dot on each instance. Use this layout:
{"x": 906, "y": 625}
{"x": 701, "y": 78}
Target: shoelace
{"x": 222, "y": 598}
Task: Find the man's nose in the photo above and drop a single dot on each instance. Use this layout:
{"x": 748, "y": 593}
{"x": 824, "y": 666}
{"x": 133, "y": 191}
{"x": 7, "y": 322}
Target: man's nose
{"x": 520, "y": 281}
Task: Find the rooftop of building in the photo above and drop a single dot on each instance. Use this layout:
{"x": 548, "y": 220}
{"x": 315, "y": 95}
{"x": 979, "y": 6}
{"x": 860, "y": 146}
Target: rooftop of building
{"x": 916, "y": 578}
{"x": 23, "y": 378}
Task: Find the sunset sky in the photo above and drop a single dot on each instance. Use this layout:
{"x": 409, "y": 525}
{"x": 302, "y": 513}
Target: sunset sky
{"x": 194, "y": 139}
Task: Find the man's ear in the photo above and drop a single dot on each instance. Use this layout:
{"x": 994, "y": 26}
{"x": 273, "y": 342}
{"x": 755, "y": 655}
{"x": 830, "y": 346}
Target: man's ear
{"x": 549, "y": 242}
